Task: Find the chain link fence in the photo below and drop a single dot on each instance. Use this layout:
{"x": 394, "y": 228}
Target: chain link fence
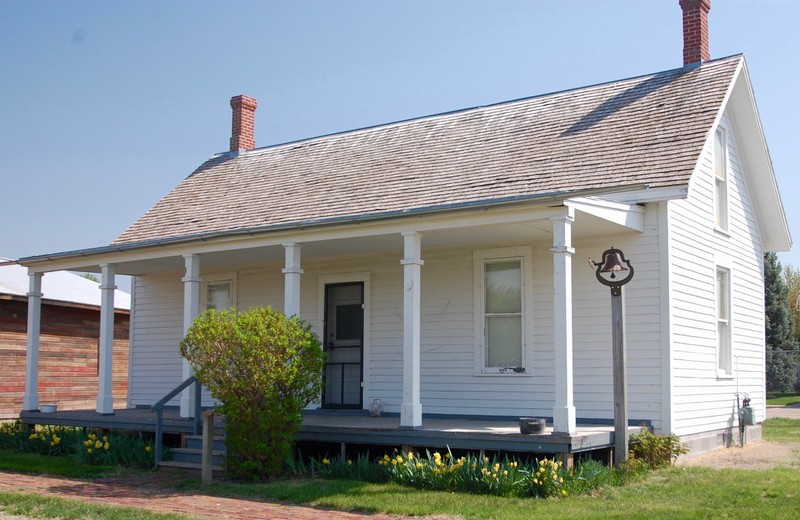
{"x": 783, "y": 373}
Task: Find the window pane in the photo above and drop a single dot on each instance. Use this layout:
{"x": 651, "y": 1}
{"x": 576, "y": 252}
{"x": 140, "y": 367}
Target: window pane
{"x": 719, "y": 155}
{"x": 504, "y": 341}
{"x": 724, "y": 346}
{"x": 218, "y": 295}
{"x": 503, "y": 287}
{"x": 722, "y": 295}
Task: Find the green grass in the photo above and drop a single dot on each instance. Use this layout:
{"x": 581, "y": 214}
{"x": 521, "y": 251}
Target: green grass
{"x": 682, "y": 492}
{"x": 34, "y": 464}
{"x": 786, "y": 399}
{"x": 38, "y": 506}
{"x": 672, "y": 493}
{"x": 780, "y": 429}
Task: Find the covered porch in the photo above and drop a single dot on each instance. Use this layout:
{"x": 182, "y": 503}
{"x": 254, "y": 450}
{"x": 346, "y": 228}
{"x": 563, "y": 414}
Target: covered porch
{"x": 549, "y": 224}
{"x": 353, "y": 428}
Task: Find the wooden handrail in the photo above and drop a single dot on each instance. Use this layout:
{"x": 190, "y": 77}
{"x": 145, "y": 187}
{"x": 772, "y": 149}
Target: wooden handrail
{"x": 158, "y": 408}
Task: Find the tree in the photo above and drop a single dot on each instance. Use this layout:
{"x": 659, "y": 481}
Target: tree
{"x": 792, "y": 277}
{"x": 781, "y": 370}
{"x": 265, "y": 368}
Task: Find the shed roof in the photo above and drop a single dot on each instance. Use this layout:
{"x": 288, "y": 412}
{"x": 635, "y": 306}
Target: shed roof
{"x": 647, "y": 130}
{"x": 60, "y": 286}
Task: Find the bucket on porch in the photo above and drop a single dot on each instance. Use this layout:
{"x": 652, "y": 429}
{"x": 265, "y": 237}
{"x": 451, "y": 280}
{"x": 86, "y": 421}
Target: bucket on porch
{"x": 531, "y": 425}
{"x": 48, "y": 408}
{"x": 376, "y": 408}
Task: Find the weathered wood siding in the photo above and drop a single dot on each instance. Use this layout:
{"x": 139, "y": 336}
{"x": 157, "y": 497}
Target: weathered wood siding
{"x": 701, "y": 400}
{"x": 68, "y": 350}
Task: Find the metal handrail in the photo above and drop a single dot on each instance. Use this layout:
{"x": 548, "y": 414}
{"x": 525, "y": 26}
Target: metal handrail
{"x": 158, "y": 408}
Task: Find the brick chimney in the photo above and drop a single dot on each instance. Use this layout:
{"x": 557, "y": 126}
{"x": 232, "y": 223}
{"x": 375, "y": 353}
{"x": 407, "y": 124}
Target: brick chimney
{"x": 243, "y": 132}
{"x": 695, "y": 31}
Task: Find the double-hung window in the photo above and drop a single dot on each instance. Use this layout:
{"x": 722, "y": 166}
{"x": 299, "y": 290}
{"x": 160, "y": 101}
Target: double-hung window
{"x": 219, "y": 291}
{"x": 720, "y": 180}
{"x": 502, "y": 310}
{"x": 724, "y": 347}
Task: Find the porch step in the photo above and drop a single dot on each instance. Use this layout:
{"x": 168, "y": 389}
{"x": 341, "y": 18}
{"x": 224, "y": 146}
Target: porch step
{"x": 195, "y": 455}
{"x": 192, "y": 468}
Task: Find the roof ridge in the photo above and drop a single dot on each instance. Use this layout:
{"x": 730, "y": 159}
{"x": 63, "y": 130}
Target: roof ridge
{"x": 390, "y": 124}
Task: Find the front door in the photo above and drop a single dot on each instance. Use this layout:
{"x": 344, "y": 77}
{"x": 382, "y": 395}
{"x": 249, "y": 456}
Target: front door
{"x": 344, "y": 345}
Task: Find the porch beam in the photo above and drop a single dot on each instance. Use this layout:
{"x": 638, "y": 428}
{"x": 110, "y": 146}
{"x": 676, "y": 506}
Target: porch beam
{"x": 411, "y": 408}
{"x": 191, "y": 310}
{"x": 564, "y": 408}
{"x": 30, "y": 401}
{"x": 292, "y": 273}
{"x": 105, "y": 393}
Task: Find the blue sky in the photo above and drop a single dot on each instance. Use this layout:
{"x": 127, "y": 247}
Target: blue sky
{"x": 105, "y": 106}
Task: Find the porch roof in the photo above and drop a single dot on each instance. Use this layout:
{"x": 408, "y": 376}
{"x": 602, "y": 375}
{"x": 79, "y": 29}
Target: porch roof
{"x": 643, "y": 131}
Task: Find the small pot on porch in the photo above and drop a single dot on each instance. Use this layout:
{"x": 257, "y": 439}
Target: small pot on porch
{"x": 531, "y": 425}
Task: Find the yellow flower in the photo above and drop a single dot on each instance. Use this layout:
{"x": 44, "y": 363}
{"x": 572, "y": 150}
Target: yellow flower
{"x": 106, "y": 446}
{"x": 326, "y": 461}
{"x": 410, "y": 456}
{"x": 349, "y": 462}
{"x": 89, "y": 450}
{"x": 505, "y": 472}
{"x": 419, "y": 465}
{"x": 148, "y": 449}
{"x": 563, "y": 492}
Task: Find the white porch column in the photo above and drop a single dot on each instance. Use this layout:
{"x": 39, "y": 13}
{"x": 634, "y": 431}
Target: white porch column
{"x": 191, "y": 309}
{"x": 291, "y": 280}
{"x": 30, "y": 401}
{"x": 105, "y": 394}
{"x": 564, "y": 409}
{"x": 411, "y": 408}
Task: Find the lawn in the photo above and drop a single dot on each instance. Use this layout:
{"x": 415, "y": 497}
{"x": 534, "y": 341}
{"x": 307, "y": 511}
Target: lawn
{"x": 784, "y": 400}
{"x": 680, "y": 492}
{"x": 37, "y": 506}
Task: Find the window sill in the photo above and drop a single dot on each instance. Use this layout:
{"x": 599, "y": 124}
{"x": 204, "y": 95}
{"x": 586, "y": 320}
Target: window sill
{"x": 724, "y": 232}
{"x": 724, "y": 376}
{"x": 502, "y": 374}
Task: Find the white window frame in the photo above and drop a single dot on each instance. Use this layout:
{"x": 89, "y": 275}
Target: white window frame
{"x": 721, "y": 177}
{"x": 724, "y": 325}
{"x": 215, "y": 278}
{"x": 480, "y": 259}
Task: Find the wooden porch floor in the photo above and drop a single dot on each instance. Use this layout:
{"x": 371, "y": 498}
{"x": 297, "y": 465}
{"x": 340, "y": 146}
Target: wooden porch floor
{"x": 355, "y": 428}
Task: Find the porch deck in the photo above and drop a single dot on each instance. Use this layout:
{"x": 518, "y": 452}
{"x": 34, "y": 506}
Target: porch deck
{"x": 360, "y": 428}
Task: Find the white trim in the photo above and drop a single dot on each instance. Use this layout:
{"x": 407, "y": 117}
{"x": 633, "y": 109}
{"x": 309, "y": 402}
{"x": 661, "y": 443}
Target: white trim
{"x": 630, "y": 216}
{"x": 721, "y": 208}
{"x": 131, "y": 328}
{"x": 479, "y": 259}
{"x": 665, "y": 294}
{"x": 365, "y": 278}
{"x": 723, "y": 263}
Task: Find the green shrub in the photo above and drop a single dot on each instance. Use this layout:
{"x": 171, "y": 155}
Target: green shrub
{"x": 265, "y": 369}
{"x": 477, "y": 475}
{"x": 88, "y": 447}
{"x": 657, "y": 451}
{"x": 362, "y": 469}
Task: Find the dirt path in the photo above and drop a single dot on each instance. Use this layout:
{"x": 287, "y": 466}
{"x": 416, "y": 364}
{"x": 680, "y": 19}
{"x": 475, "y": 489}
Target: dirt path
{"x": 754, "y": 455}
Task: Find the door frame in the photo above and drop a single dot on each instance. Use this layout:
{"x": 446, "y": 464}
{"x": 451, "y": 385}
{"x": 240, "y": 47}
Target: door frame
{"x": 344, "y": 278}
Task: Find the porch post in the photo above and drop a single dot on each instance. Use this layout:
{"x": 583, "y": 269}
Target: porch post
{"x": 411, "y": 408}
{"x": 564, "y": 408}
{"x": 191, "y": 309}
{"x": 105, "y": 394}
{"x": 30, "y": 401}
{"x": 291, "y": 280}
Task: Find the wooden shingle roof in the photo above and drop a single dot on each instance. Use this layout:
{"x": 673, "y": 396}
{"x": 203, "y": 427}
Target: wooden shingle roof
{"x": 645, "y": 130}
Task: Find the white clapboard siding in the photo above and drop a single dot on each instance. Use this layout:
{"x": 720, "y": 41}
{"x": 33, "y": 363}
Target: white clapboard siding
{"x": 702, "y": 401}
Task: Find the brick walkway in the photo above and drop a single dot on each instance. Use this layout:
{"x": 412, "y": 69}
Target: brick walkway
{"x": 156, "y": 493}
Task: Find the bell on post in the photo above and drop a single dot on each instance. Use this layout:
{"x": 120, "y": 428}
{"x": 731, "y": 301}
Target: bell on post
{"x": 613, "y": 264}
